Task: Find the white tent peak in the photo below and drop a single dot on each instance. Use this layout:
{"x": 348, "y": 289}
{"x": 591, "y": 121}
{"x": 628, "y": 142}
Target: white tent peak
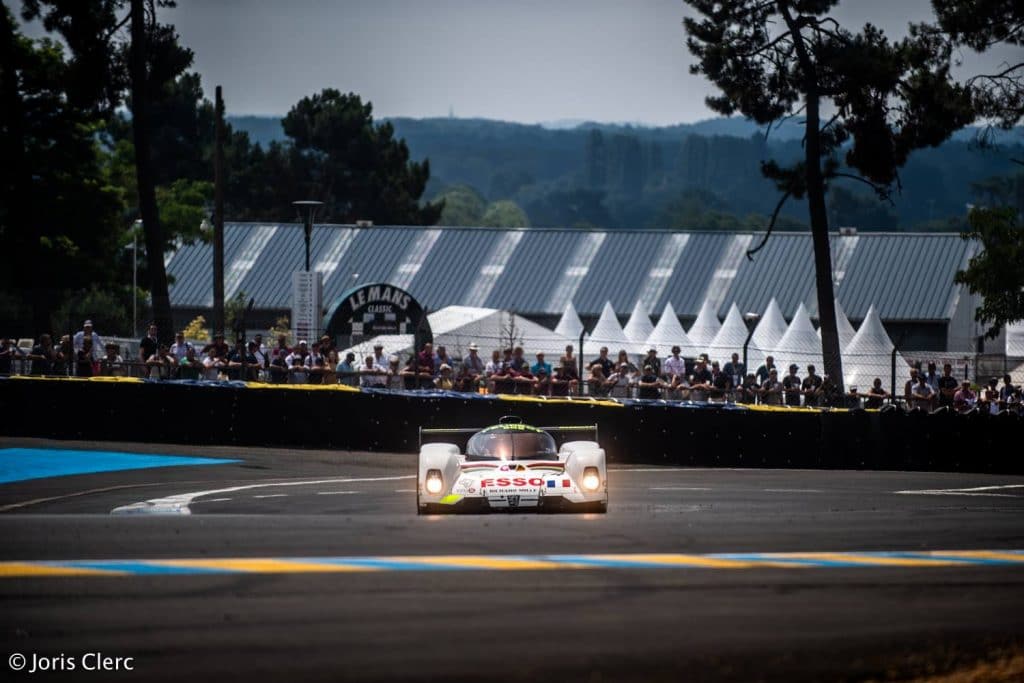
{"x": 608, "y": 332}
{"x": 639, "y": 326}
{"x": 869, "y": 355}
{"x": 570, "y": 326}
{"x": 800, "y": 344}
{"x": 767, "y": 335}
{"x": 668, "y": 333}
{"x": 730, "y": 337}
{"x": 705, "y": 327}
{"x": 846, "y": 330}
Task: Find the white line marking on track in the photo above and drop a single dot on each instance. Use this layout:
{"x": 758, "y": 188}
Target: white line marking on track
{"x": 336, "y": 493}
{"x": 212, "y": 500}
{"x": 680, "y": 488}
{"x": 178, "y": 504}
{"x": 272, "y": 495}
{"x": 405, "y": 490}
{"x": 971, "y": 491}
{"x": 940, "y": 492}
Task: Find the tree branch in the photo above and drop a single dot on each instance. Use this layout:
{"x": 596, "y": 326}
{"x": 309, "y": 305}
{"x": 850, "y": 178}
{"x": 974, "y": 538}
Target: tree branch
{"x": 771, "y": 226}
{"x": 882, "y": 191}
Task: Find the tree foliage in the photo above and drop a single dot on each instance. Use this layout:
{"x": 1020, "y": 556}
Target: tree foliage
{"x": 59, "y": 214}
{"x": 865, "y": 101}
{"x": 997, "y": 271}
{"x": 358, "y": 169}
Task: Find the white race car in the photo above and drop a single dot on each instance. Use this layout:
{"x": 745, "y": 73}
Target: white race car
{"x": 511, "y": 467}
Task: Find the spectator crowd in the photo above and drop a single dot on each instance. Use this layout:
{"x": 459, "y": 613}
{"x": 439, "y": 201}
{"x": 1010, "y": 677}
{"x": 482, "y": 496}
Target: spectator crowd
{"x": 508, "y": 371}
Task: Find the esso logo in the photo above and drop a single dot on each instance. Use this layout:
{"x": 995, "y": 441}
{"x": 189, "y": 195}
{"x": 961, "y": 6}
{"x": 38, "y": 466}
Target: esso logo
{"x": 511, "y": 481}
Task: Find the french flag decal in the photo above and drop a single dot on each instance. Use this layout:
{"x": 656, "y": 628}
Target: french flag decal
{"x": 553, "y": 484}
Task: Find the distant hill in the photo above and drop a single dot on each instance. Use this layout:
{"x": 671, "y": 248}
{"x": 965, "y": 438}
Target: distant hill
{"x": 688, "y": 175}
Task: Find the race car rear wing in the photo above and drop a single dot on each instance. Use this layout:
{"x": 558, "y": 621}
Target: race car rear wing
{"x": 473, "y": 430}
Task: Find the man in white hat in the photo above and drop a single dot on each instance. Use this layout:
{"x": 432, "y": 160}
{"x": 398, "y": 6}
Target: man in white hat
{"x": 97, "y": 341}
{"x": 473, "y": 366}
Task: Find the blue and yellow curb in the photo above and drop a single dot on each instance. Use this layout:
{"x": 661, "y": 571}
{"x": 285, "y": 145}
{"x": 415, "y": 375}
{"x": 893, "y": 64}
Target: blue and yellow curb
{"x": 386, "y": 563}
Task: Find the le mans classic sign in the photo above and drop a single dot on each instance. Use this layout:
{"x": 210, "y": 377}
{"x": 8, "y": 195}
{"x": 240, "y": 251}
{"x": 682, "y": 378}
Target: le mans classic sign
{"x": 378, "y": 308}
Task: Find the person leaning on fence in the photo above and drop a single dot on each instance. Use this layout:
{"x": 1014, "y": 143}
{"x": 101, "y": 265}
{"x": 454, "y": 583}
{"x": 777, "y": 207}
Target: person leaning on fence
{"x": 159, "y": 364}
{"x": 922, "y": 394}
{"x": 190, "y": 367}
{"x": 811, "y": 388}
{"x": 426, "y": 366}
{"x": 620, "y": 381}
{"x": 214, "y": 363}
{"x": 149, "y": 345}
{"x": 84, "y": 363}
{"x": 1006, "y": 392}
{"x": 502, "y": 376}
{"x": 96, "y": 348}
{"x": 648, "y": 384}
{"x": 240, "y": 361}
{"x": 876, "y": 395}
{"x": 947, "y": 386}
{"x": 771, "y": 390}
{"x": 112, "y": 364}
{"x": 765, "y": 370}
{"x": 44, "y": 356}
{"x": 721, "y": 384}
{"x": 965, "y": 399}
{"x": 444, "y": 380}
{"x": 700, "y": 381}
{"x": 735, "y": 369}
{"x": 652, "y": 359}
{"x": 989, "y": 399}
{"x": 748, "y": 390}
{"x": 370, "y": 375}
{"x": 346, "y": 370}
{"x": 472, "y": 368}
{"x": 566, "y": 380}
{"x": 792, "y": 386}
{"x": 298, "y": 364}
{"x": 607, "y": 367}
{"x": 908, "y": 387}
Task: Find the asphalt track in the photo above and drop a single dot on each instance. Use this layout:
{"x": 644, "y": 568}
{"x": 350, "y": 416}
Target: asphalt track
{"x": 802, "y": 620}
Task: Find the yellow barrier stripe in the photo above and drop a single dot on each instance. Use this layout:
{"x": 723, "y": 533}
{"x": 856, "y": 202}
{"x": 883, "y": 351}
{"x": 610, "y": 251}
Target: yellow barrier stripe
{"x": 873, "y": 560}
{"x": 12, "y": 569}
{"x": 986, "y": 555}
{"x": 483, "y": 562}
{"x": 303, "y": 387}
{"x": 54, "y": 378}
{"x": 677, "y": 560}
{"x": 263, "y": 565}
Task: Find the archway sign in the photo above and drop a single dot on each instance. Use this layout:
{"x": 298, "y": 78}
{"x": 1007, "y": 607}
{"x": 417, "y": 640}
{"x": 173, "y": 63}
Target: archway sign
{"x": 374, "y": 309}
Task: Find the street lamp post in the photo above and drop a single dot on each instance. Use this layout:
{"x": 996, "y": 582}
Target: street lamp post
{"x": 751, "y": 320}
{"x": 310, "y": 207}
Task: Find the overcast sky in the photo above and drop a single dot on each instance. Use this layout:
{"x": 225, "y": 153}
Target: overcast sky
{"x": 517, "y": 60}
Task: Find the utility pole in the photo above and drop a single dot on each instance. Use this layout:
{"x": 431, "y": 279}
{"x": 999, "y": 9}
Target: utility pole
{"x": 218, "y": 218}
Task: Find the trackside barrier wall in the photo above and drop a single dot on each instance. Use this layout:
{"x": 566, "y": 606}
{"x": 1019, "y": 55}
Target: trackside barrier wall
{"x": 650, "y": 432}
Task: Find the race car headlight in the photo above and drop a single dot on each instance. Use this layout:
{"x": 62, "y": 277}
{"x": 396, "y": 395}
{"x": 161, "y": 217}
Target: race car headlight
{"x": 591, "y": 479}
{"x": 434, "y": 483}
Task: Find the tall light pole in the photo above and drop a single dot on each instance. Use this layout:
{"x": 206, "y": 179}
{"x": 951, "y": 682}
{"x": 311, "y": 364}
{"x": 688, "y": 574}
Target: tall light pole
{"x": 135, "y": 277}
{"x": 309, "y": 206}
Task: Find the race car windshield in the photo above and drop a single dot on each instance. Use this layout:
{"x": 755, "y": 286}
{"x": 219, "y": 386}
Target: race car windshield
{"x": 502, "y": 445}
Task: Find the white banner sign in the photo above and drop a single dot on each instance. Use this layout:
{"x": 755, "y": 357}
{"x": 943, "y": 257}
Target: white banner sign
{"x": 307, "y": 289}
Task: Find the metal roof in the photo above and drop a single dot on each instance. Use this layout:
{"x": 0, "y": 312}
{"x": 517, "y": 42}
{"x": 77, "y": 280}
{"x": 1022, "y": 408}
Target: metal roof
{"x": 907, "y": 276}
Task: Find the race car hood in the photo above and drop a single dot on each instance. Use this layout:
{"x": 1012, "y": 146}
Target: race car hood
{"x": 525, "y": 481}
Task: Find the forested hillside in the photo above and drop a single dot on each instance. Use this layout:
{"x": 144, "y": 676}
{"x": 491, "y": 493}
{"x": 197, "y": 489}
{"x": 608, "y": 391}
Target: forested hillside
{"x": 704, "y": 175}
